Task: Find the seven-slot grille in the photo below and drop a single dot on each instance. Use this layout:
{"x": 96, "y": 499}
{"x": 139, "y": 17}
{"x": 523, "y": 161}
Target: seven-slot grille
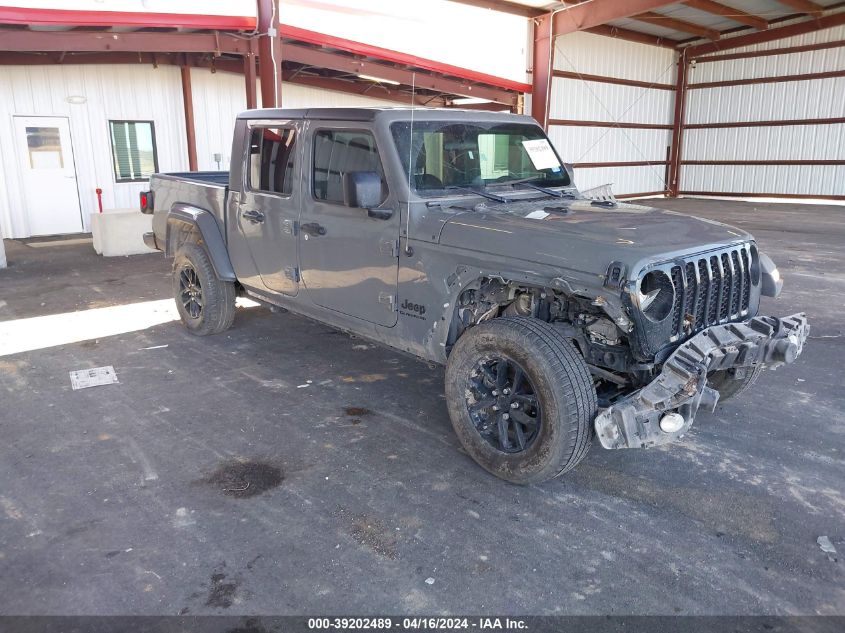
{"x": 710, "y": 289}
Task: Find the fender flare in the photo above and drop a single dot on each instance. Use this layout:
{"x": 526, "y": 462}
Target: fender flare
{"x": 211, "y": 240}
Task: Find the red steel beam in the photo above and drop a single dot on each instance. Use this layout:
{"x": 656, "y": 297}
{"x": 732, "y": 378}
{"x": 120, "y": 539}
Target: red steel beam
{"x": 270, "y": 52}
{"x": 609, "y": 30}
{"x": 580, "y": 17}
{"x": 483, "y": 107}
{"x": 356, "y": 66}
{"x": 542, "y": 70}
{"x": 567, "y": 74}
{"x": 708, "y": 6}
{"x": 666, "y": 21}
{"x": 778, "y": 123}
{"x": 799, "y": 28}
{"x": 767, "y": 163}
{"x": 147, "y": 42}
{"x": 734, "y": 194}
{"x": 620, "y": 124}
{"x": 221, "y": 65}
{"x": 676, "y": 147}
{"x": 631, "y": 163}
{"x": 831, "y": 74}
{"x": 64, "y": 17}
{"x": 216, "y": 43}
{"x": 786, "y": 50}
{"x": 9, "y": 58}
{"x": 772, "y": 23}
{"x": 190, "y": 128}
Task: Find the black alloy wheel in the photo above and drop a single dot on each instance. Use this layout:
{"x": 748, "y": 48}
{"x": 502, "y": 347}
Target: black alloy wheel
{"x": 190, "y": 291}
{"x": 503, "y": 405}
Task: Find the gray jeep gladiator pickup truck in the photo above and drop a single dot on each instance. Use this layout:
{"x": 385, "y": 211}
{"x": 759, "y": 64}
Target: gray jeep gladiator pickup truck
{"x": 460, "y": 237}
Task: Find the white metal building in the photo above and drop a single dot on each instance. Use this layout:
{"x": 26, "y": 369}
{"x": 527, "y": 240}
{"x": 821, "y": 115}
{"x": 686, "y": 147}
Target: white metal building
{"x": 83, "y": 102}
{"x": 69, "y": 127}
{"x": 682, "y": 99}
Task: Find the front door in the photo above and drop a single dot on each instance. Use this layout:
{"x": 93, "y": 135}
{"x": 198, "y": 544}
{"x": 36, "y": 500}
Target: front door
{"x": 269, "y": 204}
{"x": 45, "y": 156}
{"x": 349, "y": 258}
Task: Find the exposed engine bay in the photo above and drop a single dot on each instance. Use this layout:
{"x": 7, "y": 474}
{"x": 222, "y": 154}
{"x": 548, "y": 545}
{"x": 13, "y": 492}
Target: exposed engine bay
{"x": 604, "y": 345}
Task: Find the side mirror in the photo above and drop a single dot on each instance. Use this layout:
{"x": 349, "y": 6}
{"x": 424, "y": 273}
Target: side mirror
{"x": 362, "y": 190}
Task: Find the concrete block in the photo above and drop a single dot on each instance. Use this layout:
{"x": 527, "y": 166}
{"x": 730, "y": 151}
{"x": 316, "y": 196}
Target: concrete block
{"x": 2, "y": 254}
{"x": 118, "y": 232}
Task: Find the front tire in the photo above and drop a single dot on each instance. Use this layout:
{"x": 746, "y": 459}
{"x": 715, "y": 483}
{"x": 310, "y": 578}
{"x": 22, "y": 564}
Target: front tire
{"x": 205, "y": 303}
{"x": 521, "y": 399}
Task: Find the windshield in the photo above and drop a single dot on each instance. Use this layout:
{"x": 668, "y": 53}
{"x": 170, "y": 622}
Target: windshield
{"x": 450, "y": 154}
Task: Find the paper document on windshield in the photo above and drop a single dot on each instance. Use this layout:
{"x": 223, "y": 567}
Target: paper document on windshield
{"x": 541, "y": 154}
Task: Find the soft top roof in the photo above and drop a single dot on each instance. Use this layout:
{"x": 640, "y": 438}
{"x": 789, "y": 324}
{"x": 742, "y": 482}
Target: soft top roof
{"x": 392, "y": 114}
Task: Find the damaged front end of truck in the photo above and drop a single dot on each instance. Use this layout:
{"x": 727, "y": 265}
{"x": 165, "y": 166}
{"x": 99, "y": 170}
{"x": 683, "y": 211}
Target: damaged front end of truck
{"x": 693, "y": 318}
{"x": 657, "y": 335}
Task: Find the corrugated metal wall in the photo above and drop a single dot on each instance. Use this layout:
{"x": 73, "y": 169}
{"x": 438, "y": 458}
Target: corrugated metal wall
{"x": 126, "y": 92}
{"x": 573, "y": 99}
{"x": 776, "y": 101}
{"x": 111, "y": 92}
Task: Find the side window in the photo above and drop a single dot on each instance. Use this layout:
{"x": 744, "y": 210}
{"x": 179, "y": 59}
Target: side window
{"x": 337, "y": 152}
{"x": 271, "y": 158}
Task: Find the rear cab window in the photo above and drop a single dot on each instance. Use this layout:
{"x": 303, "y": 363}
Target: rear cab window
{"x": 272, "y": 154}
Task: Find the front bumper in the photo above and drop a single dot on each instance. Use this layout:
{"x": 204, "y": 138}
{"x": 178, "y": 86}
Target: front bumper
{"x": 681, "y": 387}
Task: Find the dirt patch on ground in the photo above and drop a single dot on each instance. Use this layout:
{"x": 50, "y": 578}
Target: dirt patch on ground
{"x": 371, "y": 533}
{"x": 356, "y": 412}
{"x": 221, "y": 594}
{"x": 245, "y": 479}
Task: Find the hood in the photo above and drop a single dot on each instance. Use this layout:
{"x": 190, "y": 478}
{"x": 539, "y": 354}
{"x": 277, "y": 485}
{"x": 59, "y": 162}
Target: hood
{"x": 581, "y": 235}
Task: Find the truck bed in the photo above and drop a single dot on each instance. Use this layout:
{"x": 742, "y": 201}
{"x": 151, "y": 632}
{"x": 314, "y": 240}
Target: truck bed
{"x": 207, "y": 177}
{"x": 201, "y": 189}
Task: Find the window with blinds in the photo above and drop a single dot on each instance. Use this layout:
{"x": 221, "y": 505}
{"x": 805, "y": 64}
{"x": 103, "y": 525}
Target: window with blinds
{"x": 133, "y": 150}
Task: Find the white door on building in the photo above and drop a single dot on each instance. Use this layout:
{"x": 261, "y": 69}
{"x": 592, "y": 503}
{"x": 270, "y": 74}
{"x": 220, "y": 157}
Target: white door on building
{"x": 45, "y": 156}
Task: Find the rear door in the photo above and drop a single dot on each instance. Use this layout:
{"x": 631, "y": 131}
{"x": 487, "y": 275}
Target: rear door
{"x": 349, "y": 260}
{"x": 268, "y": 207}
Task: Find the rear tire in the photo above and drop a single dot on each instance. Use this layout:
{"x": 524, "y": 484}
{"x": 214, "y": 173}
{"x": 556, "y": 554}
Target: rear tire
{"x": 725, "y": 382}
{"x": 205, "y": 303}
{"x": 523, "y": 367}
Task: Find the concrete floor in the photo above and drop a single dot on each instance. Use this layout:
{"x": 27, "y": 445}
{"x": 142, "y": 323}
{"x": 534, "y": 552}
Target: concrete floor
{"x": 117, "y": 499}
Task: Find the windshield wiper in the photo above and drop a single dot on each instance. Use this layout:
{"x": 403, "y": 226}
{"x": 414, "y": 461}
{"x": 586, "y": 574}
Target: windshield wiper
{"x": 548, "y": 192}
{"x": 483, "y": 194}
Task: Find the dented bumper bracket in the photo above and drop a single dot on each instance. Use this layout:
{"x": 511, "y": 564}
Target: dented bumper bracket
{"x": 681, "y": 387}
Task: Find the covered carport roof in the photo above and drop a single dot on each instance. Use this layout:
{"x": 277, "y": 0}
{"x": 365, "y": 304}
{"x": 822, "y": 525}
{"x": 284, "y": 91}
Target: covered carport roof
{"x": 676, "y": 24}
{"x": 33, "y": 36}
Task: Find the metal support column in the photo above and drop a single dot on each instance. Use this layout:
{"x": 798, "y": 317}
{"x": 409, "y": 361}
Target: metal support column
{"x": 676, "y": 151}
{"x": 188, "y": 102}
{"x": 249, "y": 77}
{"x": 270, "y": 54}
{"x": 541, "y": 75}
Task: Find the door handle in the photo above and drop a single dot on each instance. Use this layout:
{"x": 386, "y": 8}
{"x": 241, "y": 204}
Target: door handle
{"x": 313, "y": 229}
{"x": 253, "y": 216}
